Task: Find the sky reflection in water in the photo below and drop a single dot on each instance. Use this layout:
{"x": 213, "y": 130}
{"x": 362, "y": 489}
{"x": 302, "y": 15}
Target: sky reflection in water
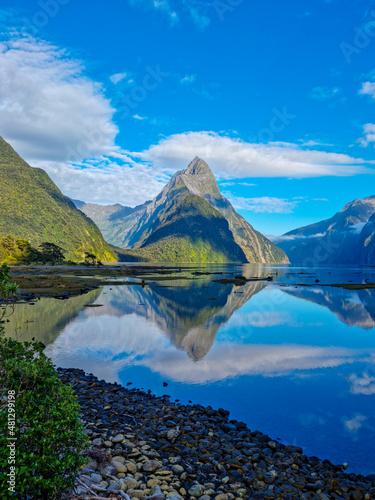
{"x": 295, "y": 362}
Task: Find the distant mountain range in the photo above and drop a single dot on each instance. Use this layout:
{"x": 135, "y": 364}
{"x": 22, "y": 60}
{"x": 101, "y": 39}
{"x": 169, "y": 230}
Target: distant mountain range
{"x": 346, "y": 238}
{"x": 189, "y": 221}
{"x": 33, "y": 208}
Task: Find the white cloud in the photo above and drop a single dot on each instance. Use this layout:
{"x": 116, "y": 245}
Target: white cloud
{"x": 292, "y": 237}
{"x": 118, "y": 77}
{"x": 369, "y": 134}
{"x": 98, "y": 332}
{"x": 353, "y": 425}
{"x": 188, "y": 79}
{"x": 324, "y": 93}
{"x": 368, "y": 88}
{"x": 233, "y": 158}
{"x": 227, "y": 184}
{"x": 106, "y": 182}
{"x": 48, "y": 108}
{"x": 60, "y": 120}
{"x": 265, "y": 204}
{"x": 261, "y": 320}
{"x": 364, "y": 384}
{"x": 231, "y": 183}
{"x": 310, "y": 143}
{"x": 357, "y": 228}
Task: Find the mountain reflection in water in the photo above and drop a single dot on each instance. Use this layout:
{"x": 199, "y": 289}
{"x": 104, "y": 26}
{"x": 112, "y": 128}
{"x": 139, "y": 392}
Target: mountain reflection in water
{"x": 352, "y": 307}
{"x": 294, "y": 361}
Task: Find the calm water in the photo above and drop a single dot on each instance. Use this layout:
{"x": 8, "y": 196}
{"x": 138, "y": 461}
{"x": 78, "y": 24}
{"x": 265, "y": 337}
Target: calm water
{"x": 295, "y": 362}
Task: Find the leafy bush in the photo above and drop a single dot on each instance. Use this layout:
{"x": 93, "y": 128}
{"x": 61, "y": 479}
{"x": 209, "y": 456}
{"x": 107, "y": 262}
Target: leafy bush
{"x": 8, "y": 289}
{"x": 50, "y": 437}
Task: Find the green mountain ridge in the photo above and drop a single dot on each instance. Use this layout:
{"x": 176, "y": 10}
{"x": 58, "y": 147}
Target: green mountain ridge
{"x": 188, "y": 221}
{"x": 34, "y": 209}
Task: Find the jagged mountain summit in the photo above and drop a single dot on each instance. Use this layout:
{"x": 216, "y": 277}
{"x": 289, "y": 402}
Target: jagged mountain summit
{"x": 188, "y": 221}
{"x": 346, "y": 238}
{"x": 33, "y": 208}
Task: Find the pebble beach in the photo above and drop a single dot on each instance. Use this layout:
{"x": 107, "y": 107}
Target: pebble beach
{"x": 143, "y": 446}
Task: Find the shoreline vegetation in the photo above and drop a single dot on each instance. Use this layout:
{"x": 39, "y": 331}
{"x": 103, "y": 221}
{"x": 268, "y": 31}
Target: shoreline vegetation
{"x": 143, "y": 446}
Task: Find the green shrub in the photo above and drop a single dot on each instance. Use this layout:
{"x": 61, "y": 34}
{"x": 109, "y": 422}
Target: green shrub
{"x": 50, "y": 437}
{"x": 8, "y": 289}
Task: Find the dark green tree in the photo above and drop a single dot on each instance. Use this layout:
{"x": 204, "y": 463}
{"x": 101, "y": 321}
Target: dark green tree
{"x": 91, "y": 259}
{"x": 51, "y": 254}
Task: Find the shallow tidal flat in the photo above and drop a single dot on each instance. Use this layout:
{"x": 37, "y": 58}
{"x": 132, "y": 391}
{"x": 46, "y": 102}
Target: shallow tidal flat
{"x": 288, "y": 351}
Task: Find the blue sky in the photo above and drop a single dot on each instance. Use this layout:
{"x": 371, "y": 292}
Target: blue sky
{"x": 278, "y": 98}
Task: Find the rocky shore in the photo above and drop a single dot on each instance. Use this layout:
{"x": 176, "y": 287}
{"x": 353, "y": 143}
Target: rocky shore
{"x": 143, "y": 446}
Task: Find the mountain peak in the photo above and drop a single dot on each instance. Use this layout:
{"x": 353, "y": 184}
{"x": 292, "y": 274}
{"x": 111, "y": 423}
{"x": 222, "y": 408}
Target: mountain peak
{"x": 199, "y": 179}
{"x": 197, "y": 166}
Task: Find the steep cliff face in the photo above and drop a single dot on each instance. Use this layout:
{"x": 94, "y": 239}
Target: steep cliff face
{"x": 33, "y": 208}
{"x": 367, "y": 243}
{"x": 345, "y": 238}
{"x": 188, "y": 215}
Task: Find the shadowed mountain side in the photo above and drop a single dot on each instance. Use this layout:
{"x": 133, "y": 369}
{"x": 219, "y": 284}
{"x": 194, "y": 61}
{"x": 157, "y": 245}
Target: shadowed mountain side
{"x": 186, "y": 313}
{"x": 188, "y": 229}
{"x": 367, "y": 243}
{"x": 346, "y": 238}
{"x": 47, "y": 318}
{"x": 352, "y": 307}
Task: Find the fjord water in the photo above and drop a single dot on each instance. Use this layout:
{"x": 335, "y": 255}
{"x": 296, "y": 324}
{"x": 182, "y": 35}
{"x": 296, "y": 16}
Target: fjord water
{"x": 296, "y": 362}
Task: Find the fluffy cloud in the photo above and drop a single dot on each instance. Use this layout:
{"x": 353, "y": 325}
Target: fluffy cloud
{"x": 106, "y": 182}
{"x": 368, "y": 134}
{"x": 364, "y": 384}
{"x": 118, "y": 77}
{"x": 233, "y": 158}
{"x": 368, "y": 88}
{"x": 265, "y": 204}
{"x": 353, "y": 425}
{"x": 48, "y": 108}
{"x": 97, "y": 331}
{"x": 60, "y": 120}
